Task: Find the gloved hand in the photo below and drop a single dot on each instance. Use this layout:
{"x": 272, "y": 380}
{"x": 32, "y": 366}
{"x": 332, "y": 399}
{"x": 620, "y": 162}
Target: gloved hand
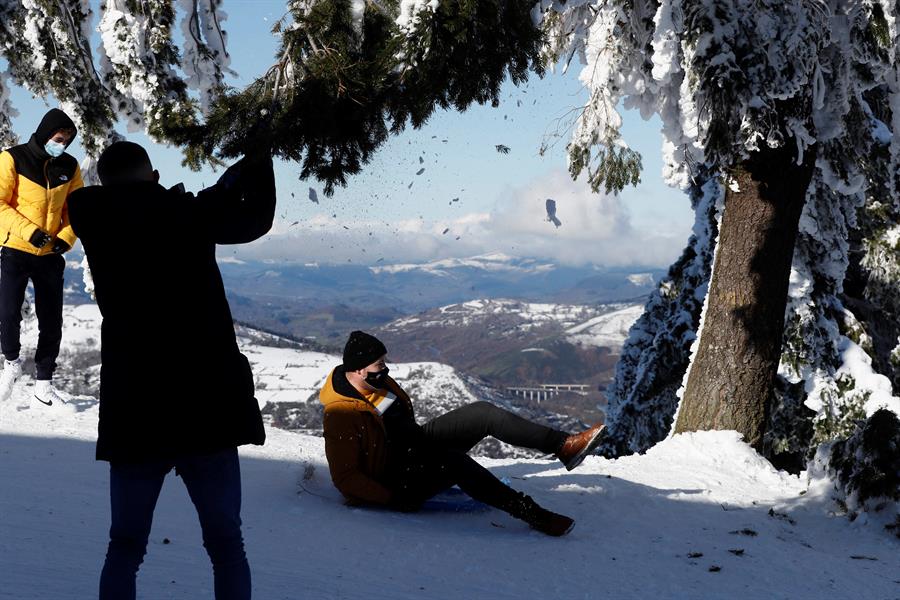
{"x": 39, "y": 238}
{"x": 60, "y": 246}
{"x": 244, "y": 172}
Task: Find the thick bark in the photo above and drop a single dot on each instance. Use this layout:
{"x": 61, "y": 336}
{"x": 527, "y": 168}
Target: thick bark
{"x": 733, "y": 374}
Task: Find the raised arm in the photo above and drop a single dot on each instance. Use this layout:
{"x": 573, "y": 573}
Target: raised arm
{"x": 240, "y": 207}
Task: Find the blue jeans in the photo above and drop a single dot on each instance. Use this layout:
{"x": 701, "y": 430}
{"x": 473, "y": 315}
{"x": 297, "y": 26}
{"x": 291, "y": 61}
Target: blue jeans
{"x": 213, "y": 482}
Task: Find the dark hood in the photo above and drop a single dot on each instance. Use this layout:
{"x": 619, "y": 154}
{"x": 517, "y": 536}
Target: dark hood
{"x": 52, "y": 122}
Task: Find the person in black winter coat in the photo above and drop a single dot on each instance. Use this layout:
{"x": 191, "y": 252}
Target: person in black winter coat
{"x": 175, "y": 391}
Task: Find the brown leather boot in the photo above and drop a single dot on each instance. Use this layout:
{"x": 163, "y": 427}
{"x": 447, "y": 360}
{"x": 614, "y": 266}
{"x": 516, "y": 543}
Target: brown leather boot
{"x": 579, "y": 445}
{"x": 540, "y": 518}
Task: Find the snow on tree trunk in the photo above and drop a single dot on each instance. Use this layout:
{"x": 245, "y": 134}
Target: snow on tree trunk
{"x": 733, "y": 373}
{"x": 643, "y": 396}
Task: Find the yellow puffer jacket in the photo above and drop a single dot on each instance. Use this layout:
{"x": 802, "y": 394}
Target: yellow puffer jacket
{"x": 34, "y": 188}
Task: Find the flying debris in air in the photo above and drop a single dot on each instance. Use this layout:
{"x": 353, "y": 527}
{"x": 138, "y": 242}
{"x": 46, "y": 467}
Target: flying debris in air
{"x": 445, "y": 231}
{"x": 421, "y": 160}
{"x": 502, "y": 149}
{"x": 551, "y": 212}
{"x": 294, "y": 223}
{"x": 313, "y": 195}
{"x": 420, "y": 171}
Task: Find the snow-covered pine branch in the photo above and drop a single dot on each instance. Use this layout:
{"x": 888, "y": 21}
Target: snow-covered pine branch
{"x": 46, "y": 45}
{"x": 138, "y": 66}
{"x": 373, "y": 67}
{"x": 205, "y": 59}
{"x": 7, "y": 135}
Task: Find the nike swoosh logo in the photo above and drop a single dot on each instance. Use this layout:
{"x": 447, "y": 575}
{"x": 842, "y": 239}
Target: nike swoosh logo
{"x": 45, "y": 403}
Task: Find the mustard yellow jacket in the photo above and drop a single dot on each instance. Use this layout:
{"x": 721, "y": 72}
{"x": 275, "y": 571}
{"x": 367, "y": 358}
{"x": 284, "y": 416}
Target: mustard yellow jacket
{"x": 355, "y": 439}
{"x": 33, "y": 195}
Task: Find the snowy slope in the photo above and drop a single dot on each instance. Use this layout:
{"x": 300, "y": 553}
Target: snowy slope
{"x": 649, "y": 526}
{"x": 609, "y": 330}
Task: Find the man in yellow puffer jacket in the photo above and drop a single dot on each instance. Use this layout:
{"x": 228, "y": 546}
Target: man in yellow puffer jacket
{"x": 36, "y": 179}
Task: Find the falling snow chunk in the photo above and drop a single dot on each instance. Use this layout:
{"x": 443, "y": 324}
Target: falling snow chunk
{"x": 551, "y": 212}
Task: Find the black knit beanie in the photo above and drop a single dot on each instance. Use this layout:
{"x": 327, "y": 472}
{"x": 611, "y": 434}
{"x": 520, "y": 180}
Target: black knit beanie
{"x": 362, "y": 350}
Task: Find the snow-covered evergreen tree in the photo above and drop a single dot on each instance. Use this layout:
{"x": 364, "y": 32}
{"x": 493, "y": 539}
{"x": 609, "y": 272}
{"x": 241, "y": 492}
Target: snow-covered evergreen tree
{"x": 643, "y": 396}
{"x": 728, "y": 78}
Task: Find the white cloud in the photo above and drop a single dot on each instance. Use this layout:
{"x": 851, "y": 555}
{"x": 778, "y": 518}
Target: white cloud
{"x": 595, "y": 228}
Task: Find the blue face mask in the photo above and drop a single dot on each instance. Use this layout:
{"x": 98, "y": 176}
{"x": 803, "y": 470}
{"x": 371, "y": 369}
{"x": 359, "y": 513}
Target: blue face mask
{"x": 54, "y": 149}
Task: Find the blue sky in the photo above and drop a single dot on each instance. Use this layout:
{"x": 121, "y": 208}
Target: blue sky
{"x": 470, "y": 199}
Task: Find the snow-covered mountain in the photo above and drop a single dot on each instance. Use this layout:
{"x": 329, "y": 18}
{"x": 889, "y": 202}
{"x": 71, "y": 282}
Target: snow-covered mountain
{"x": 512, "y": 343}
{"x": 327, "y": 301}
{"x": 609, "y": 330}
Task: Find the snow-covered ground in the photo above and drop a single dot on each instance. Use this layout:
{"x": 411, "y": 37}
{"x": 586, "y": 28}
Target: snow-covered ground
{"x": 697, "y": 516}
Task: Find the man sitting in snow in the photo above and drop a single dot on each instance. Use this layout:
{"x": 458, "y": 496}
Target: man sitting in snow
{"x": 166, "y": 314}
{"x": 379, "y": 455}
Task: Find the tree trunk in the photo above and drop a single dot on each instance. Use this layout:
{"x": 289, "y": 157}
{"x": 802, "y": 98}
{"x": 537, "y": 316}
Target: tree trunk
{"x": 733, "y": 373}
